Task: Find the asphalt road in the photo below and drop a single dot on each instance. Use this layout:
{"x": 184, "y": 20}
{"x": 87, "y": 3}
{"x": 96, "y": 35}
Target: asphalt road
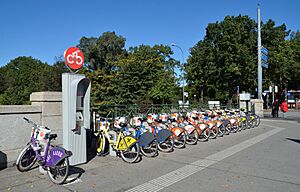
{"x": 266, "y": 158}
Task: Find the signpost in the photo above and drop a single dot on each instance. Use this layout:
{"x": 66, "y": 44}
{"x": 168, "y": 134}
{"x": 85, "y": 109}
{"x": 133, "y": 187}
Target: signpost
{"x": 74, "y": 58}
{"x": 264, "y": 57}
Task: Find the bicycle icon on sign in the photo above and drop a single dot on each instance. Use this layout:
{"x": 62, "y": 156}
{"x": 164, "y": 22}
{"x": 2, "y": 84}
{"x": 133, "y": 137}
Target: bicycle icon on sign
{"x": 75, "y": 57}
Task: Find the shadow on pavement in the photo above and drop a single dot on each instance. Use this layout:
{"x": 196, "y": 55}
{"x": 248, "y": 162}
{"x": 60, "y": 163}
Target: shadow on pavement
{"x": 75, "y": 173}
{"x": 294, "y": 140}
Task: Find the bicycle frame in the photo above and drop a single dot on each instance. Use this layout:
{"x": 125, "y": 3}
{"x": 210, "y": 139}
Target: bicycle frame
{"x": 121, "y": 144}
{"x": 51, "y": 157}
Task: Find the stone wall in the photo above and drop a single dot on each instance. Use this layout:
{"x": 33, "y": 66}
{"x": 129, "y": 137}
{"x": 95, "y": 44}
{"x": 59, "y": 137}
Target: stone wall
{"x": 45, "y": 109}
{"x": 258, "y": 107}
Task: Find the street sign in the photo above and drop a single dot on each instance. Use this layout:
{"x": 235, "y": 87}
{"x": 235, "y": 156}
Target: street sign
{"x": 74, "y": 58}
{"x": 245, "y": 96}
{"x": 264, "y": 65}
{"x": 264, "y": 51}
{"x": 264, "y": 58}
{"x": 264, "y": 94}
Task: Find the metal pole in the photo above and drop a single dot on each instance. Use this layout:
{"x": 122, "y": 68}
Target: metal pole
{"x": 182, "y": 71}
{"x": 259, "y": 69}
{"x": 273, "y": 95}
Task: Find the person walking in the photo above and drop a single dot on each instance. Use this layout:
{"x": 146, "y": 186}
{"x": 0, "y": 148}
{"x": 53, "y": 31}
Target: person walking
{"x": 276, "y": 108}
{"x": 284, "y": 108}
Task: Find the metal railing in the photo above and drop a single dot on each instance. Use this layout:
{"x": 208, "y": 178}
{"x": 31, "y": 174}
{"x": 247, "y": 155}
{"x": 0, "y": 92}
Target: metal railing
{"x": 134, "y": 109}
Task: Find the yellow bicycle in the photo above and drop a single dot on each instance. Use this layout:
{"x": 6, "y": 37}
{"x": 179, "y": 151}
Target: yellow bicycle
{"x": 125, "y": 146}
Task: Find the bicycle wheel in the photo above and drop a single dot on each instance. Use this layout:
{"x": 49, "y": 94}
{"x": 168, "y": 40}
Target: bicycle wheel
{"x": 180, "y": 140}
{"x": 167, "y": 146}
{"x": 213, "y": 133}
{"x": 131, "y": 154}
{"x": 192, "y": 138}
{"x": 244, "y": 125}
{"x": 221, "y": 131}
{"x": 249, "y": 124}
{"x": 102, "y": 147}
{"x": 227, "y": 129}
{"x": 150, "y": 150}
{"x": 59, "y": 173}
{"x": 257, "y": 121}
{"x": 26, "y": 159}
{"x": 203, "y": 135}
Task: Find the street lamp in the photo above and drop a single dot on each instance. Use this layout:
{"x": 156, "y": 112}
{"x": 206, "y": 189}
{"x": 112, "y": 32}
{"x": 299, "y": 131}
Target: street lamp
{"x": 174, "y": 45}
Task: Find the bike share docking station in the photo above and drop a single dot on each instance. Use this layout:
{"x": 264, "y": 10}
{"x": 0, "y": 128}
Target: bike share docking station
{"x": 76, "y": 90}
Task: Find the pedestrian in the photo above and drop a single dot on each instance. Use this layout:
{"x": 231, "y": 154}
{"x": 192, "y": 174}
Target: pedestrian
{"x": 284, "y": 108}
{"x": 276, "y": 107}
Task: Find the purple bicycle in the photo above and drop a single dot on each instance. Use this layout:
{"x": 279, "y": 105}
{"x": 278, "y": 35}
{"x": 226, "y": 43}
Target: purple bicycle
{"x": 52, "y": 159}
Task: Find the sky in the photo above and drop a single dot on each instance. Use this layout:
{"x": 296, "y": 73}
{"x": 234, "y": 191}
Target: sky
{"x": 45, "y": 29}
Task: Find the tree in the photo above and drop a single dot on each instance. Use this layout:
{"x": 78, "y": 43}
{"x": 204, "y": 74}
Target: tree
{"x": 100, "y": 52}
{"x": 25, "y": 75}
{"x": 294, "y": 43}
{"x": 280, "y": 54}
{"x": 227, "y": 58}
{"x": 148, "y": 73}
{"x": 224, "y": 60}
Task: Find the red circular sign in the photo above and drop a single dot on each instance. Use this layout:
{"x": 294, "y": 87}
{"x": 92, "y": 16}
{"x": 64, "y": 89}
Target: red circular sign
{"x": 74, "y": 58}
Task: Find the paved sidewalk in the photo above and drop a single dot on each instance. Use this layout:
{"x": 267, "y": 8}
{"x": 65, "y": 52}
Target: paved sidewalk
{"x": 260, "y": 159}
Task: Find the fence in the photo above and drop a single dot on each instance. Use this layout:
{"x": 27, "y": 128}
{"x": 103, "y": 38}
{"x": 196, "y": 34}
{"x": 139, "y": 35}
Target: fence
{"x": 134, "y": 109}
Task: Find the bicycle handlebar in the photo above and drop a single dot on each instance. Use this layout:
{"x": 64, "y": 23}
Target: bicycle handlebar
{"x": 30, "y": 122}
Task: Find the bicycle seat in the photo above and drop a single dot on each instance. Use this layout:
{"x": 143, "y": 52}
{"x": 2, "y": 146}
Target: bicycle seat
{"x": 173, "y": 120}
{"x": 123, "y": 125}
{"x": 195, "y": 118}
{"x": 52, "y": 136}
{"x": 158, "y": 120}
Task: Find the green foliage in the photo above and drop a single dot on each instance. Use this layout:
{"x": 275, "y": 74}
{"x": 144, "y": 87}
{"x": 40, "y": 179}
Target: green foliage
{"x": 227, "y": 58}
{"x": 147, "y": 72}
{"x": 224, "y": 59}
{"x": 24, "y": 75}
{"x": 127, "y": 77}
{"x": 100, "y": 52}
{"x": 280, "y": 54}
{"x": 294, "y": 44}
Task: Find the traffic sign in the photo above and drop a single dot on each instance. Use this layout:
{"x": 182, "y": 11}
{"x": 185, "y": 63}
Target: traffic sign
{"x": 264, "y": 51}
{"x": 74, "y": 58}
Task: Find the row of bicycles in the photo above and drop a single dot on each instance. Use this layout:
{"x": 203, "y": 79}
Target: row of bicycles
{"x": 129, "y": 137}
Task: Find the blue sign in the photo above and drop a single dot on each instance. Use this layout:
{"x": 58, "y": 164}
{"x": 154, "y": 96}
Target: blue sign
{"x": 264, "y": 51}
{"x": 264, "y": 65}
{"x": 264, "y": 57}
